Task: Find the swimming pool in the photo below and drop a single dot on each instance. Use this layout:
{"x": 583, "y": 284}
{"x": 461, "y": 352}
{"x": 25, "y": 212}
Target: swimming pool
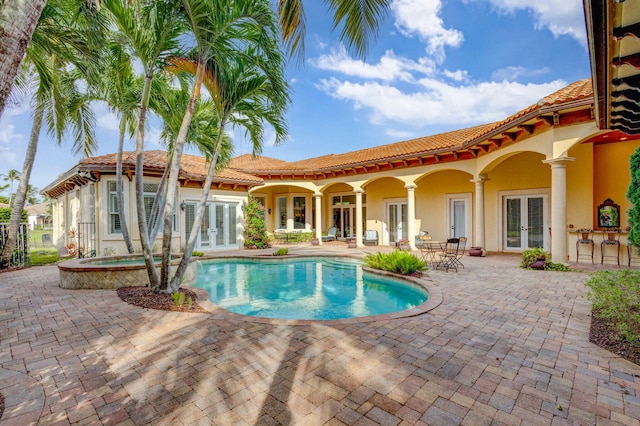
{"x": 304, "y": 288}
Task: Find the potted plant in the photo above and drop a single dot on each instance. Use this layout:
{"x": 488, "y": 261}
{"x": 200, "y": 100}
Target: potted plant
{"x": 403, "y": 244}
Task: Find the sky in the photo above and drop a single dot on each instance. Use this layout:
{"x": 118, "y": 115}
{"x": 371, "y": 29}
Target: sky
{"x": 436, "y": 66}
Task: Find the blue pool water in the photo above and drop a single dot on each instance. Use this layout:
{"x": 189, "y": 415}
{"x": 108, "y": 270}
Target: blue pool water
{"x": 307, "y": 288}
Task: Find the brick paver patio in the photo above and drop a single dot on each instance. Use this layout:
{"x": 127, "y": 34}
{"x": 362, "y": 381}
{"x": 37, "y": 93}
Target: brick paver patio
{"x": 506, "y": 346}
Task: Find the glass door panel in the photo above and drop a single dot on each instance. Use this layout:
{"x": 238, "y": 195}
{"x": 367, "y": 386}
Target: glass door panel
{"x": 205, "y": 231}
{"x": 525, "y": 220}
{"x": 535, "y": 222}
{"x": 397, "y": 215}
{"x": 458, "y": 218}
{"x": 219, "y": 221}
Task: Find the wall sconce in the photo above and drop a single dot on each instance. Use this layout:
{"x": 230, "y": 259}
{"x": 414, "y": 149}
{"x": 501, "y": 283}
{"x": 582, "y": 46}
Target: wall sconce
{"x": 183, "y": 205}
{"x": 269, "y": 211}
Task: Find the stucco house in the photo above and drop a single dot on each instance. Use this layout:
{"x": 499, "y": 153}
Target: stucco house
{"x": 529, "y": 180}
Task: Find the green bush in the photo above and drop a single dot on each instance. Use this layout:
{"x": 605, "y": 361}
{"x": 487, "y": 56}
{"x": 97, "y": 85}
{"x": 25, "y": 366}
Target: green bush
{"x": 399, "y": 262}
{"x": 531, "y": 255}
{"x": 196, "y": 253}
{"x": 5, "y": 215}
{"x": 281, "y": 252}
{"x": 615, "y": 296}
{"x": 255, "y": 231}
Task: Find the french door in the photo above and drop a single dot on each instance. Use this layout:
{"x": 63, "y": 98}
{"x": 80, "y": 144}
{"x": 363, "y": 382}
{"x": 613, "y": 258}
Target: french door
{"x": 525, "y": 222}
{"x": 459, "y": 216}
{"x": 397, "y": 220}
{"x": 219, "y": 227}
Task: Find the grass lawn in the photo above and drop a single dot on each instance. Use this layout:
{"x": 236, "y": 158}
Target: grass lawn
{"x": 43, "y": 255}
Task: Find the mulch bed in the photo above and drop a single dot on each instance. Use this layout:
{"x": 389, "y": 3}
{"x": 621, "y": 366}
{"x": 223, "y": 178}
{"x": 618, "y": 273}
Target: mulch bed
{"x": 603, "y": 334}
{"x": 143, "y": 297}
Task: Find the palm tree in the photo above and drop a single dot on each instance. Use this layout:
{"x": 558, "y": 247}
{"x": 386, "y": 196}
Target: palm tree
{"x": 121, "y": 89}
{"x": 57, "y": 101}
{"x": 32, "y": 195}
{"x": 18, "y": 20}
{"x": 11, "y": 176}
{"x": 222, "y": 30}
{"x": 248, "y": 89}
{"x": 151, "y": 30}
{"x": 359, "y": 20}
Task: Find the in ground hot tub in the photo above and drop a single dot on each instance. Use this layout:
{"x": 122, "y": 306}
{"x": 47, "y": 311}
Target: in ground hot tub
{"x": 114, "y": 272}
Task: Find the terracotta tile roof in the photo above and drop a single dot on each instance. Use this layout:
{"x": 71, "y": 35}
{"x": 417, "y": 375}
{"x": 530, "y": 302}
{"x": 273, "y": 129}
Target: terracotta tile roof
{"x": 193, "y": 167}
{"x": 259, "y": 163}
{"x": 581, "y": 90}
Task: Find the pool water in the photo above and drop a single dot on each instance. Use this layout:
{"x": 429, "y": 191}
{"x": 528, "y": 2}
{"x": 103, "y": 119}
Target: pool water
{"x": 309, "y": 288}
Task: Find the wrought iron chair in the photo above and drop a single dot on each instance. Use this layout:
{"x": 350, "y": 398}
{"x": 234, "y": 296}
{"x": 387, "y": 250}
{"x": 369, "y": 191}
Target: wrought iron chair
{"x": 449, "y": 254}
{"x": 610, "y": 237}
{"x": 585, "y": 238}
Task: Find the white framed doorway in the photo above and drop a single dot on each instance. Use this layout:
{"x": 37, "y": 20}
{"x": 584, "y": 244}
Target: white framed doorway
{"x": 524, "y": 220}
{"x": 459, "y": 219}
{"x": 396, "y": 222}
{"x": 219, "y": 227}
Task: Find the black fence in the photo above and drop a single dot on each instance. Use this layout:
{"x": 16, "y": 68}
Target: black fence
{"x": 20, "y": 257}
{"x": 86, "y": 239}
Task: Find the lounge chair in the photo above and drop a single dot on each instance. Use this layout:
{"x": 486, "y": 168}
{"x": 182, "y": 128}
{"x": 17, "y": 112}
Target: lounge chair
{"x": 370, "y": 237}
{"x": 331, "y": 234}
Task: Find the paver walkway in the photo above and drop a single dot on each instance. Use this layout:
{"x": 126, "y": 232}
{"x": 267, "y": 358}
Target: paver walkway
{"x": 506, "y": 346}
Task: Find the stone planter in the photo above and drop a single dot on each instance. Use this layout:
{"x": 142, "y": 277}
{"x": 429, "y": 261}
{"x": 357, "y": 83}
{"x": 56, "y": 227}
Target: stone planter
{"x": 351, "y": 244}
{"x": 315, "y": 242}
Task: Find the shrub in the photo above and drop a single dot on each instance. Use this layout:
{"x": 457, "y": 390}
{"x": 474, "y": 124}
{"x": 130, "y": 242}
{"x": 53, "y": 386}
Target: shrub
{"x": 197, "y": 253}
{"x": 615, "y": 296}
{"x": 400, "y": 262}
{"x": 255, "y": 231}
{"x": 529, "y": 256}
{"x": 281, "y": 252}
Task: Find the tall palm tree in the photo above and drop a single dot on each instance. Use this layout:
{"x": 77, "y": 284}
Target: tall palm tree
{"x": 359, "y": 20}
{"x": 222, "y": 30}
{"x": 121, "y": 89}
{"x": 58, "y": 103}
{"x": 152, "y": 30}
{"x": 18, "y": 20}
{"x": 11, "y": 176}
{"x": 249, "y": 90}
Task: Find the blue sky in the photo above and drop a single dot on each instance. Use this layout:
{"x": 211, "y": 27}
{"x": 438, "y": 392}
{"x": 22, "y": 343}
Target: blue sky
{"x": 438, "y": 65}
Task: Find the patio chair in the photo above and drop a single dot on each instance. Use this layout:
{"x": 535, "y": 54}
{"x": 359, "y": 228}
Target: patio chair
{"x": 370, "y": 237}
{"x": 449, "y": 254}
{"x": 421, "y": 238}
{"x": 461, "y": 249}
{"x": 331, "y": 234}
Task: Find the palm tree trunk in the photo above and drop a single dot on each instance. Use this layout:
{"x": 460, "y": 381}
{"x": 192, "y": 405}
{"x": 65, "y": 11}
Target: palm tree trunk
{"x": 172, "y": 183}
{"x": 157, "y": 210}
{"x": 186, "y": 256}
{"x": 21, "y": 195}
{"x": 142, "y": 219}
{"x": 18, "y": 19}
{"x": 120, "y": 196}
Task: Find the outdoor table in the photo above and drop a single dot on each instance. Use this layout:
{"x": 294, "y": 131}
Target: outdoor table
{"x": 429, "y": 250}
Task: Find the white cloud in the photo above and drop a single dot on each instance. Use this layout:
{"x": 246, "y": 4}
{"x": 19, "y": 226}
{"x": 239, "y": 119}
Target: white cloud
{"x": 513, "y": 73}
{"x": 390, "y": 67}
{"x": 105, "y": 118}
{"x": 458, "y": 75}
{"x": 12, "y": 144}
{"x": 565, "y": 17}
{"x": 400, "y": 134}
{"x": 438, "y": 103}
{"x": 421, "y": 18}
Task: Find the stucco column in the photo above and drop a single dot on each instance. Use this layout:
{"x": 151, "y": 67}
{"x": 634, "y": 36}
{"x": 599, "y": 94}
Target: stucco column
{"x": 411, "y": 214}
{"x": 479, "y": 234}
{"x": 559, "y": 208}
{"x": 359, "y": 230}
{"x": 318, "y": 198}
